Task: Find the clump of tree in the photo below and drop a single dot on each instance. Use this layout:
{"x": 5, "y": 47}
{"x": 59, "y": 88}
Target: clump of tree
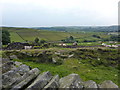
{"x": 37, "y": 41}
{"x": 96, "y": 36}
{"x": 42, "y": 41}
{"x": 70, "y": 39}
{"x": 5, "y": 37}
{"x": 89, "y": 40}
{"x": 115, "y": 38}
{"x": 112, "y": 38}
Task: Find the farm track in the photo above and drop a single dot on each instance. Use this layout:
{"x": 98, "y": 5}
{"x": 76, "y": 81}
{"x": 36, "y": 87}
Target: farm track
{"x": 96, "y": 46}
{"x": 69, "y": 46}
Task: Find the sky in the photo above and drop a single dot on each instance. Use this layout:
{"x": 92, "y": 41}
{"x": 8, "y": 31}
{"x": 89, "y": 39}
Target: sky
{"x": 59, "y": 12}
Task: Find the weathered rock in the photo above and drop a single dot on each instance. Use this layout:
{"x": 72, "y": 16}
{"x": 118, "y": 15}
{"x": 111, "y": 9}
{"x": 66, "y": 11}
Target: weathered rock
{"x": 7, "y": 66}
{"x": 5, "y": 60}
{"x": 18, "y": 63}
{"x": 108, "y": 84}
{"x": 14, "y": 76}
{"x": 54, "y": 60}
{"x": 57, "y": 60}
{"x": 0, "y": 80}
{"x": 90, "y": 84}
{"x": 64, "y": 56}
{"x": 71, "y": 81}
{"x": 40, "y": 81}
{"x": 71, "y": 55}
{"x": 22, "y": 69}
{"x": 57, "y": 53}
{"x": 13, "y": 57}
{"x": 9, "y": 79}
{"x": 54, "y": 83}
{"x": 25, "y": 75}
{"x": 0, "y": 73}
{"x": 33, "y": 71}
{"x": 29, "y": 54}
{"x": 31, "y": 75}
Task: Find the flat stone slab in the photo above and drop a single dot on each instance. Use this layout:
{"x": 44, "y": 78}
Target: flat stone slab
{"x": 71, "y": 81}
{"x": 7, "y": 66}
{"x": 108, "y": 84}
{"x": 54, "y": 83}
{"x": 9, "y": 80}
{"x": 18, "y": 63}
{"x": 13, "y": 57}
{"x": 90, "y": 84}
{"x": 14, "y": 76}
{"x": 27, "y": 78}
{"x": 40, "y": 81}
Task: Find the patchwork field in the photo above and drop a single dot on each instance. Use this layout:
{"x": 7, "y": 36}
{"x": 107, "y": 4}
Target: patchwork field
{"x": 25, "y": 34}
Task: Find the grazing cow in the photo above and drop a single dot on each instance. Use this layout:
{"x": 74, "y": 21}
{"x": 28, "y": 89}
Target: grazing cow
{"x": 75, "y": 44}
{"x": 27, "y": 47}
{"x": 62, "y": 44}
{"x": 107, "y": 45}
{"x": 115, "y": 46}
{"x": 103, "y": 44}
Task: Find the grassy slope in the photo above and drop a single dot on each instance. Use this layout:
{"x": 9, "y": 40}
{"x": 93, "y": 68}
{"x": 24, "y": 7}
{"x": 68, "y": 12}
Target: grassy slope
{"x": 86, "y": 72}
{"x": 31, "y": 34}
{"x": 73, "y": 65}
{"x": 15, "y": 37}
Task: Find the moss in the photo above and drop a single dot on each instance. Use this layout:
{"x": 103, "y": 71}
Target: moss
{"x": 94, "y": 64}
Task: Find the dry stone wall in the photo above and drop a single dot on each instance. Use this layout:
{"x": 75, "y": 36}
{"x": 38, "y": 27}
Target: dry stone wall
{"x": 17, "y": 76}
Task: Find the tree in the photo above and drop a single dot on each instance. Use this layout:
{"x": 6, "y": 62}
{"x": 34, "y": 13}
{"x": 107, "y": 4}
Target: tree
{"x": 115, "y": 38}
{"x": 5, "y": 37}
{"x": 42, "y": 41}
{"x": 96, "y": 36}
{"x": 36, "y": 40}
{"x": 71, "y": 38}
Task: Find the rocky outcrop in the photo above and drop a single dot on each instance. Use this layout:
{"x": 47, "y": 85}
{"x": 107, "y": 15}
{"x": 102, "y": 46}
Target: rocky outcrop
{"x": 21, "y": 77}
{"x": 14, "y": 76}
{"x": 40, "y": 81}
{"x": 108, "y": 84}
{"x": 54, "y": 83}
{"x": 7, "y": 66}
{"x": 90, "y": 84}
{"x": 27, "y": 78}
{"x": 13, "y": 57}
{"x": 71, "y": 81}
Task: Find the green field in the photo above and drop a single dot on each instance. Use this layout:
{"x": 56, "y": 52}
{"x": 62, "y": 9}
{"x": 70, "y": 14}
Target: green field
{"x": 15, "y": 37}
{"x": 98, "y": 64}
{"x": 25, "y": 34}
{"x": 86, "y": 72}
{"x": 84, "y": 63}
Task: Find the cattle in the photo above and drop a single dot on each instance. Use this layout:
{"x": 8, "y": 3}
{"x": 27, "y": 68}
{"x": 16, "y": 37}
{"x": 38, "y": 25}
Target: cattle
{"x": 75, "y": 44}
{"x": 63, "y": 44}
{"x": 27, "y": 47}
{"x": 115, "y": 46}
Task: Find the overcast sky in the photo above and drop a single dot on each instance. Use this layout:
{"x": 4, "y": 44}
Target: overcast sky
{"x": 59, "y": 12}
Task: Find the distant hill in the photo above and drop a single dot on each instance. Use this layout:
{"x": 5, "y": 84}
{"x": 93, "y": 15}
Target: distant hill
{"x": 81, "y": 28}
